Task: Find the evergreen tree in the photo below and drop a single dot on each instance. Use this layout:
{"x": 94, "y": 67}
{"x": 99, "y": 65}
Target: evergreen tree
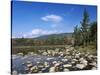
{"x": 85, "y": 27}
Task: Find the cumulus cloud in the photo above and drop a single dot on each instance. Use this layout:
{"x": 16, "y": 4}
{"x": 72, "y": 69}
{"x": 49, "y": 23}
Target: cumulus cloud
{"x": 38, "y": 32}
{"x": 52, "y": 18}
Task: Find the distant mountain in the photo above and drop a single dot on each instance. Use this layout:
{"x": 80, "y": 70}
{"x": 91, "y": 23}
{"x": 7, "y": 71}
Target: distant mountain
{"x": 54, "y": 35}
{"x": 57, "y": 38}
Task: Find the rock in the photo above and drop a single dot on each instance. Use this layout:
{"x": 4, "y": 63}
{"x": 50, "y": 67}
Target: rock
{"x": 30, "y": 53}
{"x": 28, "y": 62}
{"x": 93, "y": 64}
{"x": 14, "y": 73}
{"x": 25, "y": 57}
{"x": 80, "y": 66}
{"x": 14, "y": 56}
{"x": 64, "y": 60}
{"x": 40, "y": 71}
{"x": 38, "y": 62}
{"x": 65, "y": 70}
{"x": 73, "y": 62}
{"x": 83, "y": 61}
{"x": 34, "y": 69}
{"x": 54, "y": 62}
{"x": 94, "y": 68}
{"x": 26, "y": 69}
{"x": 77, "y": 56}
{"x": 44, "y": 53}
{"x": 41, "y": 66}
{"x": 52, "y": 69}
{"x": 29, "y": 65}
{"x": 23, "y": 63}
{"x": 49, "y": 59}
{"x": 69, "y": 57}
{"x": 57, "y": 64}
{"x": 20, "y": 54}
{"x": 67, "y": 65}
{"x": 46, "y": 64}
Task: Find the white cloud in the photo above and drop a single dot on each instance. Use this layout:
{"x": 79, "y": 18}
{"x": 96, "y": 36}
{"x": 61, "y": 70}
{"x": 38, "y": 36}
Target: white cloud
{"x": 38, "y": 32}
{"x": 52, "y": 18}
{"x": 13, "y": 37}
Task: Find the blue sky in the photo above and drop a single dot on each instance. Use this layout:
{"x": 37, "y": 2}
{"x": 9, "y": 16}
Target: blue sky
{"x": 32, "y": 19}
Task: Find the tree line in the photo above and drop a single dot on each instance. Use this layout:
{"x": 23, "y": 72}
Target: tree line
{"x": 86, "y": 33}
{"x": 38, "y": 42}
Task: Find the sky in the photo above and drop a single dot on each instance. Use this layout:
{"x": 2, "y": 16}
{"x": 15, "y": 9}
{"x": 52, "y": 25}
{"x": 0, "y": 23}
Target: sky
{"x": 33, "y": 19}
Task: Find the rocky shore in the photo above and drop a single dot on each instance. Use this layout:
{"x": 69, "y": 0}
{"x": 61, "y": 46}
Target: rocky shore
{"x": 58, "y": 60}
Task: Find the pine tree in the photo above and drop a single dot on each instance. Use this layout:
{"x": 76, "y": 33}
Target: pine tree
{"x": 85, "y": 27}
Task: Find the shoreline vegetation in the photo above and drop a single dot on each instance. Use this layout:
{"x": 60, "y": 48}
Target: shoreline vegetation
{"x": 76, "y": 51}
